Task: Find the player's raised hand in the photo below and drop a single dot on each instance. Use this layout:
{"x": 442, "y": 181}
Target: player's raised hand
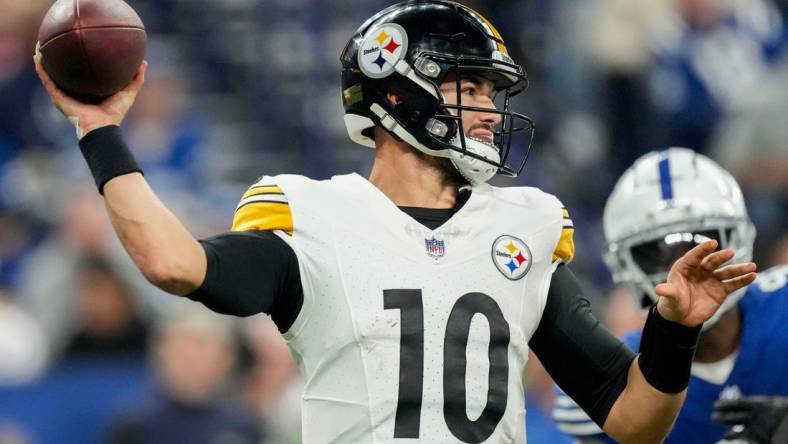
{"x": 698, "y": 284}
{"x": 87, "y": 117}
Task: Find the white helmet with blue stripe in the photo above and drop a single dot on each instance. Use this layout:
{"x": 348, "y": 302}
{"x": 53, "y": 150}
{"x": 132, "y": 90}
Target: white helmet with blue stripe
{"x": 661, "y": 207}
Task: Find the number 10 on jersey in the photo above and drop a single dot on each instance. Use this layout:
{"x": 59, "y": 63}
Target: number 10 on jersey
{"x": 455, "y": 343}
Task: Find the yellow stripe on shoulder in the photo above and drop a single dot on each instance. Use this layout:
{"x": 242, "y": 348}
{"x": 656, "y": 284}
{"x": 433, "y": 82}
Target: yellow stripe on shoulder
{"x": 565, "y": 250}
{"x": 264, "y": 189}
{"x": 263, "y": 215}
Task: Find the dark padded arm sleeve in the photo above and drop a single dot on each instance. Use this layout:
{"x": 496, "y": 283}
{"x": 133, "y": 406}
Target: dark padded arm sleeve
{"x": 249, "y": 273}
{"x": 581, "y": 355}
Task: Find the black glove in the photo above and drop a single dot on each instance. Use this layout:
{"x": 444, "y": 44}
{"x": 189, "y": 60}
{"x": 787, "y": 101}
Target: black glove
{"x": 754, "y": 419}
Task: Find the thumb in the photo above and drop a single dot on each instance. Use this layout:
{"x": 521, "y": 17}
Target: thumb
{"x": 666, "y": 290}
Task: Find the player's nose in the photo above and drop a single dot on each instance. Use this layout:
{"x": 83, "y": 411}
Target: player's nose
{"x": 491, "y": 117}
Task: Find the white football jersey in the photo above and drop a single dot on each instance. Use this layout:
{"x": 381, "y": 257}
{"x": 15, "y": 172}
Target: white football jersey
{"x": 408, "y": 334}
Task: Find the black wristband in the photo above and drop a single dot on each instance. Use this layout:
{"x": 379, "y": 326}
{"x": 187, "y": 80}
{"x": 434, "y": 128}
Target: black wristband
{"x": 666, "y": 352}
{"x": 107, "y": 155}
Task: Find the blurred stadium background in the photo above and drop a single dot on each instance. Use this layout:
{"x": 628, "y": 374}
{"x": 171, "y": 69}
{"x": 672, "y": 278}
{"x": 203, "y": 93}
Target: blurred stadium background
{"x": 90, "y": 353}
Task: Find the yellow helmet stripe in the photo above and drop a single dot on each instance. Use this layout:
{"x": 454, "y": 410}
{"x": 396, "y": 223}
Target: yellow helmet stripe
{"x": 491, "y": 29}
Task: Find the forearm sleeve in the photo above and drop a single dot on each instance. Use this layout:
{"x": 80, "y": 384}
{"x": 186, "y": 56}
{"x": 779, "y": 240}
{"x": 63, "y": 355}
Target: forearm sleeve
{"x": 581, "y": 355}
{"x": 249, "y": 273}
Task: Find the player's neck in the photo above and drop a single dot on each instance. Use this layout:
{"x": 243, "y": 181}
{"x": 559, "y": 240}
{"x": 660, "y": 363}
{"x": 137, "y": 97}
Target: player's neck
{"x": 722, "y": 339}
{"x": 404, "y": 176}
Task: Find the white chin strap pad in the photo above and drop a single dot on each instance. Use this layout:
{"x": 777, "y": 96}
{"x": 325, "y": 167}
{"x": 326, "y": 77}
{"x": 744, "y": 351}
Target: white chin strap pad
{"x": 475, "y": 170}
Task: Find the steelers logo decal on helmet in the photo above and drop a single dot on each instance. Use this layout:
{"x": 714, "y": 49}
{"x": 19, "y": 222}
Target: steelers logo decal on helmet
{"x": 382, "y": 48}
{"x": 511, "y": 257}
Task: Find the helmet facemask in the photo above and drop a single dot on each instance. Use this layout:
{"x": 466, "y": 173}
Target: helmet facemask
{"x": 479, "y": 160}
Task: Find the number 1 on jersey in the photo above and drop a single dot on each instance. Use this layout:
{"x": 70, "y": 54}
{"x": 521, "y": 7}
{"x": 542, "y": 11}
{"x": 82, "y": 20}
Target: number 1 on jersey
{"x": 411, "y": 359}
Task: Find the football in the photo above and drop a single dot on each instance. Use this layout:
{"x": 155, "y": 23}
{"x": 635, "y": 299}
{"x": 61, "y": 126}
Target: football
{"x": 91, "y": 48}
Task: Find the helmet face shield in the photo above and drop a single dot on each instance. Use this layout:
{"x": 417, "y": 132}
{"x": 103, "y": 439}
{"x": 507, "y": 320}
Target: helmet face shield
{"x": 646, "y": 258}
{"x": 658, "y": 255}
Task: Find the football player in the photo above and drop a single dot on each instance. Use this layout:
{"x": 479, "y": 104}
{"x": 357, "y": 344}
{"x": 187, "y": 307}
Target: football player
{"x": 663, "y": 206}
{"x": 410, "y": 298}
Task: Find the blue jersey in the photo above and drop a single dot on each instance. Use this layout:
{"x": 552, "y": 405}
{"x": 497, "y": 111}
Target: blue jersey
{"x": 761, "y": 368}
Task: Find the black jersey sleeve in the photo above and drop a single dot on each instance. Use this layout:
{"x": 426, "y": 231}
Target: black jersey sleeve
{"x": 251, "y": 272}
{"x": 582, "y": 356}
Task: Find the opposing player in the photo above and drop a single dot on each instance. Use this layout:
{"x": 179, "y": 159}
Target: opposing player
{"x": 663, "y": 206}
{"x": 410, "y": 299}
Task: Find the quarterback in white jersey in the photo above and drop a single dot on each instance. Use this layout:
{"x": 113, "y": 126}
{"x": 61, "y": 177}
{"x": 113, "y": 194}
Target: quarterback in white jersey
{"x": 408, "y": 332}
{"x": 410, "y": 299}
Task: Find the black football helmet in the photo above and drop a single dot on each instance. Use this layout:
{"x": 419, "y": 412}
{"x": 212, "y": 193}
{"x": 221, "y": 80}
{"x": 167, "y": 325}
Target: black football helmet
{"x": 412, "y": 47}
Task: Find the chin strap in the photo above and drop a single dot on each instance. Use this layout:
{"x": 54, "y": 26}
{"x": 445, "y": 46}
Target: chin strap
{"x": 473, "y": 170}
{"x": 390, "y": 124}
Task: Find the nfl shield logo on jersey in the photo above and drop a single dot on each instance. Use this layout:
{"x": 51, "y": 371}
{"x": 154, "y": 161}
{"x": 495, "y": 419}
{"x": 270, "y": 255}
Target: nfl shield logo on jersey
{"x": 435, "y": 248}
{"x": 511, "y": 256}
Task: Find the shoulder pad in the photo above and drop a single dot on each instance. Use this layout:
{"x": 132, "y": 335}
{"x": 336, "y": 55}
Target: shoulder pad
{"x": 263, "y": 206}
{"x": 565, "y": 249}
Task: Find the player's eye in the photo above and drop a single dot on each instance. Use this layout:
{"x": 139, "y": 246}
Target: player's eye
{"x": 470, "y": 90}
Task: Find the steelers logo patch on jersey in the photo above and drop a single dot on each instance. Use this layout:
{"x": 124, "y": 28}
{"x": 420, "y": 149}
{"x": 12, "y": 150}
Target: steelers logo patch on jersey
{"x": 511, "y": 256}
{"x": 382, "y": 48}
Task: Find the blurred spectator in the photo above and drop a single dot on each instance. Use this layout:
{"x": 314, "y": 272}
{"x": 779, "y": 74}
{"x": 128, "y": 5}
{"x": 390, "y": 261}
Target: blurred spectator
{"x": 193, "y": 356}
{"x": 273, "y": 384}
{"x": 164, "y": 128}
{"x": 18, "y": 29}
{"x": 615, "y": 42}
{"x": 753, "y": 145}
{"x": 662, "y": 73}
{"x": 49, "y": 285}
{"x": 23, "y": 345}
{"x": 709, "y": 62}
{"x": 16, "y": 238}
{"x": 108, "y": 323}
